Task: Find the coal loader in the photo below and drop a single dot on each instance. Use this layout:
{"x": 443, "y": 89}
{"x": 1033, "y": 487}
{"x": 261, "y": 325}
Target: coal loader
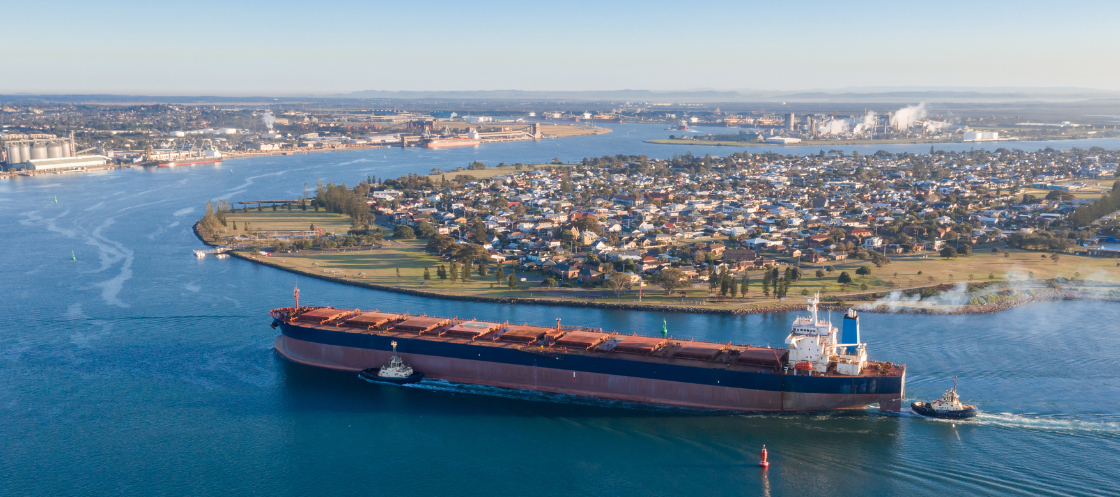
{"x": 823, "y": 368}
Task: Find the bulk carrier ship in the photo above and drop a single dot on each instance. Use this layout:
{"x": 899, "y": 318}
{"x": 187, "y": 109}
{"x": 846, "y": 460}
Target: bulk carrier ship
{"x": 823, "y": 368}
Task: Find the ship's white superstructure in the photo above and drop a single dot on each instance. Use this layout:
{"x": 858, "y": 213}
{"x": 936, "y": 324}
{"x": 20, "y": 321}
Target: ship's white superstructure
{"x": 950, "y": 401}
{"x": 817, "y": 346}
{"x": 396, "y": 367}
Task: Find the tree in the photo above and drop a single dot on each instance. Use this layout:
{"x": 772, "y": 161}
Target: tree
{"x": 454, "y": 271}
{"x": 965, "y": 250}
{"x": 734, "y": 289}
{"x": 863, "y": 270}
{"x": 425, "y": 230}
{"x": 618, "y": 283}
{"x": 745, "y": 287}
{"x": 440, "y": 243}
{"x": 766, "y": 283}
{"x": 500, "y": 274}
{"x": 479, "y": 230}
{"x": 879, "y": 260}
{"x": 845, "y": 278}
{"x": 398, "y": 274}
{"x": 948, "y": 252}
{"x": 427, "y": 275}
{"x": 830, "y": 269}
{"x": 819, "y": 274}
{"x": 403, "y": 232}
{"x": 1055, "y": 257}
{"x": 567, "y": 237}
{"x": 441, "y": 272}
{"x": 512, "y": 281}
{"x": 549, "y": 282}
{"x": 671, "y": 279}
{"x": 795, "y": 274}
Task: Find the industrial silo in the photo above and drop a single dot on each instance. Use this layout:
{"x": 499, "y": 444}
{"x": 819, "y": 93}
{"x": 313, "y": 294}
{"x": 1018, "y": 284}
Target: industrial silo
{"x": 39, "y": 151}
{"x": 24, "y": 152}
{"x": 13, "y": 153}
{"x": 54, "y": 150}
{"x": 68, "y": 148}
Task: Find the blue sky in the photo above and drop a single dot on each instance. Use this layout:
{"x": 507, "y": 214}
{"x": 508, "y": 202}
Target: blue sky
{"x": 287, "y": 47}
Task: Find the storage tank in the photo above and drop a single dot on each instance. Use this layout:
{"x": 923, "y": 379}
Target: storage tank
{"x": 39, "y": 151}
{"x": 54, "y": 150}
{"x": 24, "y": 152}
{"x": 13, "y": 153}
{"x": 68, "y": 148}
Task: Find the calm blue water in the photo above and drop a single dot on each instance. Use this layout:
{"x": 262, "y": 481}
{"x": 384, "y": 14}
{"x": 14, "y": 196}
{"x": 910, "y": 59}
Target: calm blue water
{"x": 139, "y": 369}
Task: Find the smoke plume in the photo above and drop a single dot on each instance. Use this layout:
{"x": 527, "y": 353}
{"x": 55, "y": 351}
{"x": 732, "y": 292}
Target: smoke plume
{"x": 268, "y": 119}
{"x": 908, "y": 116}
{"x": 949, "y": 300}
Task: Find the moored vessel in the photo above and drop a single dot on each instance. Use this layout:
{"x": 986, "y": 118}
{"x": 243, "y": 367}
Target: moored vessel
{"x": 452, "y": 142}
{"x": 824, "y": 367}
{"x": 187, "y": 162}
{"x": 949, "y": 406}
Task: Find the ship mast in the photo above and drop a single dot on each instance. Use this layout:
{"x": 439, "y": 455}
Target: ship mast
{"x": 296, "y": 293}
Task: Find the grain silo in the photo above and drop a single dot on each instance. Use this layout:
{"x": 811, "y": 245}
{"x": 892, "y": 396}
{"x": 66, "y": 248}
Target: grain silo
{"x": 13, "y": 152}
{"x": 54, "y": 150}
{"x": 39, "y": 151}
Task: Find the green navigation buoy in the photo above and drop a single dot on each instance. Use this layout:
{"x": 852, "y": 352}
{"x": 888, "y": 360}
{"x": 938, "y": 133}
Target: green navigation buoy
{"x": 664, "y": 327}
{"x": 72, "y": 256}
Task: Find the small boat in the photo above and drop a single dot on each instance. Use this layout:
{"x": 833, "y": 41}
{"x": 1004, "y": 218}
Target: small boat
{"x": 395, "y": 373}
{"x": 949, "y": 406}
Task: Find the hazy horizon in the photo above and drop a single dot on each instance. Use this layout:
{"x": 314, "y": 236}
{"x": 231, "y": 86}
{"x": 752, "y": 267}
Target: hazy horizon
{"x": 287, "y": 48}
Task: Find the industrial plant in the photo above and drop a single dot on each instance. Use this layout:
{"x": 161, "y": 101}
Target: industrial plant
{"x": 39, "y": 152}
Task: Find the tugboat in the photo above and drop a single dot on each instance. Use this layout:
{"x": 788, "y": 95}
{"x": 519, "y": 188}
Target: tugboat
{"x": 949, "y": 406}
{"x": 395, "y": 373}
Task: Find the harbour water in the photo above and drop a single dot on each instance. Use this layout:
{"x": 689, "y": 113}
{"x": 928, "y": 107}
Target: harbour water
{"x": 139, "y": 369}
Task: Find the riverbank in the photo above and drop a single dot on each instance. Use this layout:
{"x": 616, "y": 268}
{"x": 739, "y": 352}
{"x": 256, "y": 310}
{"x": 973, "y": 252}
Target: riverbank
{"x": 831, "y": 143}
{"x": 804, "y": 143}
{"x": 549, "y": 131}
{"x": 875, "y": 302}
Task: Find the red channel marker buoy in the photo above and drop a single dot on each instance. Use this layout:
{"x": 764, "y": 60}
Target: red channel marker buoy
{"x": 763, "y": 463}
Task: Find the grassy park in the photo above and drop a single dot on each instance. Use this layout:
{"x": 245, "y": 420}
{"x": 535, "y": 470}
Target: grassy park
{"x": 284, "y": 220}
{"x": 401, "y": 263}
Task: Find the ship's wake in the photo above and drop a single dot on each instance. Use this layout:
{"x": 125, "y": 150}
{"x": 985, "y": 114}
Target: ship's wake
{"x": 1043, "y": 424}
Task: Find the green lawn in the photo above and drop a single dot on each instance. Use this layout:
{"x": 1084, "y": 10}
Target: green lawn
{"x": 282, "y": 220}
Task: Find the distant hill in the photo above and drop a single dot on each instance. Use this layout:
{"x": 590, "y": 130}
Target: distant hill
{"x": 608, "y": 95}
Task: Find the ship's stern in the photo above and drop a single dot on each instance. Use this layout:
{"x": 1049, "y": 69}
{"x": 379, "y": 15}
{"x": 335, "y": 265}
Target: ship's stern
{"x": 893, "y": 401}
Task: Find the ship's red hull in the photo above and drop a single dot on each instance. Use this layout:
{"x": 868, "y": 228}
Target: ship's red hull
{"x": 190, "y": 162}
{"x": 559, "y": 380}
{"x": 452, "y": 143}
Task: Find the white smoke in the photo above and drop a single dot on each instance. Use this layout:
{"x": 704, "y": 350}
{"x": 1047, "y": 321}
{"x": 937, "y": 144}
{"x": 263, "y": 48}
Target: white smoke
{"x": 947, "y": 301}
{"x": 867, "y": 125}
{"x": 833, "y": 127}
{"x": 268, "y": 119}
{"x": 934, "y": 126}
{"x": 905, "y": 117}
